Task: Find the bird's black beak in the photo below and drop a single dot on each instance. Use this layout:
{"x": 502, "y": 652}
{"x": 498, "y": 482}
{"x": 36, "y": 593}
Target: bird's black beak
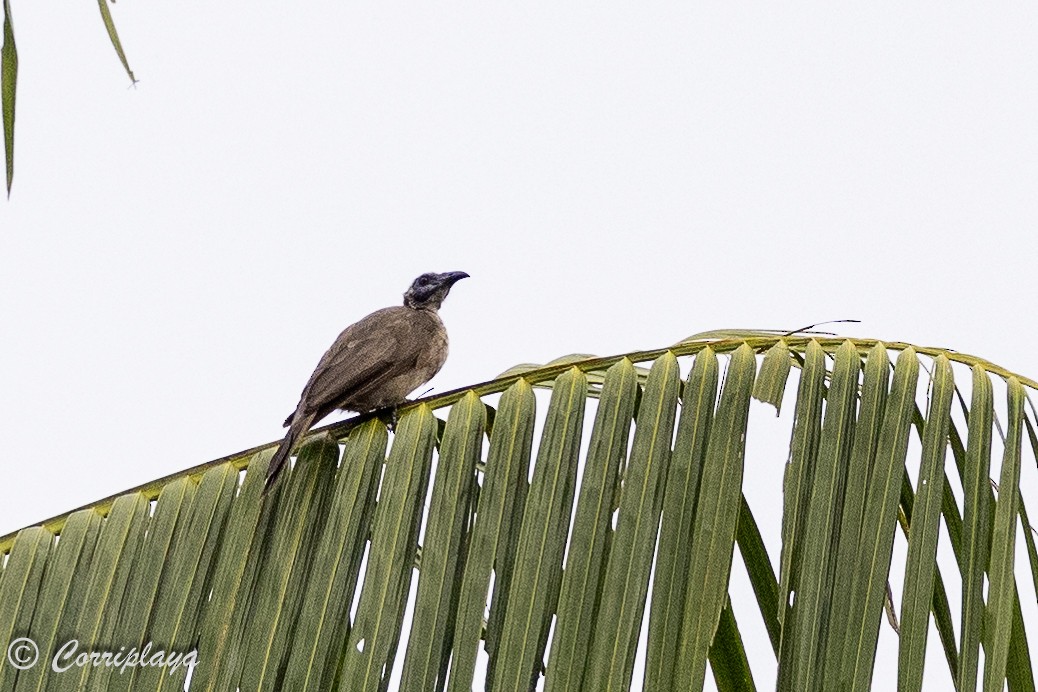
{"x": 451, "y": 278}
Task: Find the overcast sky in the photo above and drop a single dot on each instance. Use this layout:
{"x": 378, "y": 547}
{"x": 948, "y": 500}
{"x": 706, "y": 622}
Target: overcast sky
{"x": 175, "y": 257}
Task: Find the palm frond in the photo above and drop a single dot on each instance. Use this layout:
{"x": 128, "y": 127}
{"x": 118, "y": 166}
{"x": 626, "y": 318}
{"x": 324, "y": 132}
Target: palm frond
{"x": 595, "y": 554}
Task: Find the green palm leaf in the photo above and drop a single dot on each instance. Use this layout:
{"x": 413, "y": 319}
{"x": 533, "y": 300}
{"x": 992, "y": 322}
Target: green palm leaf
{"x": 465, "y": 548}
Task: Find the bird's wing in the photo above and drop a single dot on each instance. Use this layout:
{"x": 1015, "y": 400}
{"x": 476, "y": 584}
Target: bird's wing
{"x": 367, "y": 352}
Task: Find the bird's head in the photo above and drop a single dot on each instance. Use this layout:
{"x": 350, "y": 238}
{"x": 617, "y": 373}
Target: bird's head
{"x": 428, "y": 290}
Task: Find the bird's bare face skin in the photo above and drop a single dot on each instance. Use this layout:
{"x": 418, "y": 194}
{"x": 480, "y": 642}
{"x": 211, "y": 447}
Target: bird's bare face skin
{"x": 428, "y": 291}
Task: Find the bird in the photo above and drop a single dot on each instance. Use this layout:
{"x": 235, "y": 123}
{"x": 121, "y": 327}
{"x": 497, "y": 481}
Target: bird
{"x": 375, "y": 362}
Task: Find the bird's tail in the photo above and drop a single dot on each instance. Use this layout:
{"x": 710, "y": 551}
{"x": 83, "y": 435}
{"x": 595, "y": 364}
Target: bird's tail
{"x": 299, "y": 426}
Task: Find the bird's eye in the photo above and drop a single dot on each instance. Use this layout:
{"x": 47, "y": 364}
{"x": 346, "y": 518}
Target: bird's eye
{"x": 423, "y": 281}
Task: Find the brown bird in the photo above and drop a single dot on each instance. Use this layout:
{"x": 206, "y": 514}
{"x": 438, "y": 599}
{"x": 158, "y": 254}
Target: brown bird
{"x": 376, "y": 362}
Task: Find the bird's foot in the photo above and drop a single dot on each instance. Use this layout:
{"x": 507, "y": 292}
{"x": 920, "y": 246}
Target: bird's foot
{"x": 388, "y": 416}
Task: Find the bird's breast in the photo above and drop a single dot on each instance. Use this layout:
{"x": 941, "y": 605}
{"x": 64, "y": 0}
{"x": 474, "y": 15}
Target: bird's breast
{"x": 434, "y": 355}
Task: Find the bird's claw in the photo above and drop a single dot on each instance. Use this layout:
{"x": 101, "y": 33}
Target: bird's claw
{"x": 389, "y": 417}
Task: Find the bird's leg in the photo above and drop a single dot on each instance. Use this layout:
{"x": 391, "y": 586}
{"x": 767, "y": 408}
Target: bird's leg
{"x": 388, "y": 416}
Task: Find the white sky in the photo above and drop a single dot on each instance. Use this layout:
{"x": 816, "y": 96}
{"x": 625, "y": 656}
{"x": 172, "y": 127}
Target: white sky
{"x": 175, "y": 257}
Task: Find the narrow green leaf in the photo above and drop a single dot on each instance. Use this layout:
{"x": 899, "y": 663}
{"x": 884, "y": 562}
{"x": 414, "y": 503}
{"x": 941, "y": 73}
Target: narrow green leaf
{"x": 61, "y": 594}
{"x": 728, "y": 660}
{"x": 588, "y": 545}
{"x": 867, "y": 427}
{"x": 717, "y": 516}
{"x": 288, "y": 549}
{"x": 761, "y": 574}
{"x": 939, "y": 604}
{"x": 799, "y": 473}
{"x": 623, "y": 591}
{"x": 770, "y": 386}
{"x": 1019, "y": 673}
{"x": 512, "y": 513}
{"x": 877, "y": 533}
{"x": 942, "y": 618}
{"x": 19, "y": 588}
{"x": 1028, "y": 530}
{"x": 976, "y": 537}
{"x": 534, "y": 588}
{"x": 670, "y": 584}
{"x": 111, "y": 565}
{"x": 507, "y": 466}
{"x": 8, "y": 90}
{"x": 920, "y": 568}
{"x": 804, "y": 647}
{"x": 998, "y": 622}
{"x": 184, "y": 589}
{"x": 948, "y": 503}
{"x": 143, "y": 589}
{"x": 394, "y": 539}
{"x": 221, "y": 623}
{"x": 106, "y": 17}
{"x": 324, "y": 618}
{"x": 428, "y": 647}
